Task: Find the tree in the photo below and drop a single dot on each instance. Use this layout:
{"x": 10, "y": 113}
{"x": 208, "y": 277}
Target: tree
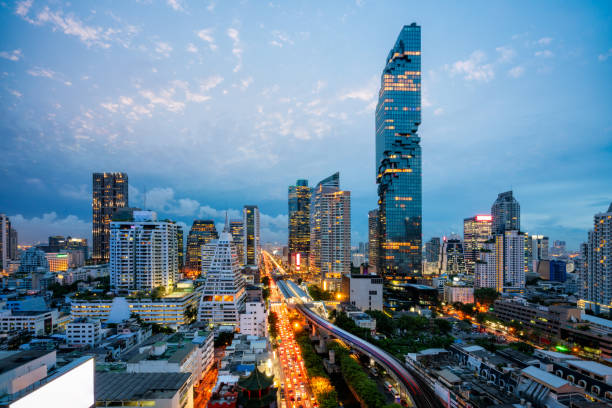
{"x": 299, "y": 281}
{"x": 158, "y": 292}
{"x": 485, "y": 296}
{"x": 443, "y": 326}
{"x": 522, "y": 347}
{"x": 224, "y": 339}
{"x": 265, "y": 281}
{"x": 272, "y": 319}
{"x": 265, "y": 292}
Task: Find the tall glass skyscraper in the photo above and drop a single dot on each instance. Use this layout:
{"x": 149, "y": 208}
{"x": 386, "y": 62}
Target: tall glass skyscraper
{"x": 398, "y": 158}
{"x": 299, "y": 224}
{"x": 201, "y": 233}
{"x": 250, "y": 222}
{"x": 110, "y": 192}
{"x": 506, "y": 213}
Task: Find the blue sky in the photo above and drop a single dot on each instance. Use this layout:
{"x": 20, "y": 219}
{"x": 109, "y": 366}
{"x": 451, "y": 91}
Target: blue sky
{"x": 213, "y": 105}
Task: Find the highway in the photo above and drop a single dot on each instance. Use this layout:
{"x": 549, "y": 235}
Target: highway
{"x": 420, "y": 393}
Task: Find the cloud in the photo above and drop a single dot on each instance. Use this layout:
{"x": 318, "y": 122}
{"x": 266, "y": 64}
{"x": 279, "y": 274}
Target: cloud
{"x": 15, "y": 93}
{"x": 163, "y": 48}
{"x": 544, "y": 54}
{"x": 319, "y": 86}
{"x": 474, "y": 68}
{"x": 23, "y": 7}
{"x": 76, "y": 193}
{"x": 544, "y": 41}
{"x": 14, "y": 55}
{"x": 506, "y": 54}
{"x": 438, "y": 111}
{"x": 206, "y": 36}
{"x": 279, "y": 39}
{"x": 516, "y": 72}
{"x": 237, "y": 50}
{"x": 605, "y": 55}
{"x": 175, "y": 4}
{"x": 244, "y": 83}
{"x": 366, "y": 93}
{"x": 192, "y": 48}
{"x": 126, "y": 100}
{"x": 164, "y": 98}
{"x": 41, "y": 72}
{"x": 109, "y": 106}
{"x": 38, "y": 229}
{"x": 210, "y": 83}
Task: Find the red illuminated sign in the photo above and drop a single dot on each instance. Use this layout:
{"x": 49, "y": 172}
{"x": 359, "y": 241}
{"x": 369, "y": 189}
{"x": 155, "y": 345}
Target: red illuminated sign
{"x": 484, "y": 218}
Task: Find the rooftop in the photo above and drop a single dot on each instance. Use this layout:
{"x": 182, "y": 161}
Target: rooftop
{"x": 134, "y": 386}
{"x": 544, "y": 377}
{"x": 12, "y": 360}
{"x": 592, "y": 366}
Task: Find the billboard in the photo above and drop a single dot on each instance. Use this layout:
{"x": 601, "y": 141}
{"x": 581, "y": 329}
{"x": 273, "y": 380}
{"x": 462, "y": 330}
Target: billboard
{"x": 71, "y": 389}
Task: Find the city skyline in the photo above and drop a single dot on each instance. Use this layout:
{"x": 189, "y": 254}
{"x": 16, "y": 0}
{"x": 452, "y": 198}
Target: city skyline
{"x": 195, "y": 78}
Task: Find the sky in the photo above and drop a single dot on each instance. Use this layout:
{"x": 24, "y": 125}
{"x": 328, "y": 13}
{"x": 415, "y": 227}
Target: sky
{"x": 211, "y": 105}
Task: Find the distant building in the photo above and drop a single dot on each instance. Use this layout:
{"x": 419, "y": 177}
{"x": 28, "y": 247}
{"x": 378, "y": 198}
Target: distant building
{"x": 476, "y": 231}
{"x": 510, "y": 249}
{"x": 84, "y": 332}
{"x": 5, "y": 245}
{"x": 180, "y": 245}
{"x": 365, "y": 292}
{"x": 59, "y": 261}
{"x": 223, "y": 294}
{"x": 299, "y": 224}
{"x": 373, "y": 241}
{"x": 201, "y": 233}
{"x": 485, "y": 267}
{"x": 453, "y": 262}
{"x": 330, "y": 232}
{"x": 38, "y": 323}
{"x": 456, "y": 291}
{"x": 33, "y": 260}
{"x": 250, "y": 220}
{"x": 432, "y": 250}
{"x": 506, "y": 213}
{"x": 144, "y": 253}
{"x": 237, "y": 231}
{"x": 553, "y": 270}
{"x": 110, "y": 192}
{"x": 398, "y": 158}
{"x": 596, "y": 278}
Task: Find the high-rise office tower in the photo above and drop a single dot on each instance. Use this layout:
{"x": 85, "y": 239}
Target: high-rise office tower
{"x": 299, "y": 224}
{"x": 398, "y": 158}
{"x": 453, "y": 261}
{"x": 330, "y": 232}
{"x": 223, "y": 296}
{"x": 110, "y": 192}
{"x": 13, "y": 244}
{"x": 432, "y": 250}
{"x": 5, "y": 245}
{"x": 180, "y": 245}
{"x": 373, "y": 242}
{"x": 143, "y": 253}
{"x": 250, "y": 220}
{"x": 538, "y": 249}
{"x": 237, "y": 231}
{"x": 476, "y": 231}
{"x": 201, "y": 233}
{"x": 595, "y": 280}
{"x": 506, "y": 213}
{"x": 57, "y": 243}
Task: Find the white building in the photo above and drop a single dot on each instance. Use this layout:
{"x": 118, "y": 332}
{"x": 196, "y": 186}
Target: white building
{"x": 143, "y": 253}
{"x": 82, "y": 273}
{"x": 458, "y": 292}
{"x": 254, "y": 320}
{"x": 363, "y": 320}
{"x": 485, "y": 268}
{"x": 166, "y": 311}
{"x": 35, "y": 322}
{"x": 223, "y": 294}
{"x": 366, "y": 292}
{"x": 513, "y": 261}
{"x": 84, "y": 332}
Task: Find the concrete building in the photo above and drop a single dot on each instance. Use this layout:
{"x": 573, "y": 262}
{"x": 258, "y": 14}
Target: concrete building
{"x": 476, "y": 231}
{"x": 595, "y": 280}
{"x": 161, "y": 390}
{"x": 110, "y": 192}
{"x": 458, "y": 291}
{"x": 143, "y": 253}
{"x": 223, "y": 294}
{"x": 510, "y": 252}
{"x": 453, "y": 261}
{"x": 330, "y": 232}
{"x": 84, "y": 332}
{"x": 237, "y": 231}
{"x": 254, "y": 320}
{"x": 485, "y": 266}
{"x": 35, "y": 322}
{"x": 365, "y": 292}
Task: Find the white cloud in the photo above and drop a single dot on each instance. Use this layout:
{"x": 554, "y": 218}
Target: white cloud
{"x": 366, "y": 93}
{"x": 23, "y": 7}
{"x": 544, "y": 54}
{"x": 192, "y": 48}
{"x": 474, "y": 68}
{"x": 211, "y": 6}
{"x": 438, "y": 111}
{"x": 279, "y": 39}
{"x": 109, "y": 106}
{"x": 237, "y": 50}
{"x": 38, "y": 229}
{"x": 206, "y": 36}
{"x": 319, "y": 86}
{"x": 194, "y": 97}
{"x": 516, "y": 72}
{"x": 14, "y": 55}
{"x": 244, "y": 83}
{"x": 71, "y": 25}
{"x": 506, "y": 54}
{"x": 163, "y": 48}
{"x": 605, "y": 55}
{"x": 41, "y": 72}
{"x": 15, "y": 93}
{"x": 175, "y": 4}
{"x": 164, "y": 98}
{"x": 544, "y": 41}
{"x": 126, "y": 100}
{"x": 210, "y": 82}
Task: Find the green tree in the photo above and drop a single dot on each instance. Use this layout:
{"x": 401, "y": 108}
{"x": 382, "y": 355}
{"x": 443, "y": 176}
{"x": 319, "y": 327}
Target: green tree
{"x": 485, "y": 296}
{"x": 443, "y": 326}
{"x": 265, "y": 281}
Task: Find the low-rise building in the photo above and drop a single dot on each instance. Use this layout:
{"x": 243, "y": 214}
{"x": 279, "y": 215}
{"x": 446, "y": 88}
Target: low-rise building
{"x": 363, "y": 291}
{"x": 84, "y": 332}
{"x": 458, "y": 292}
{"x": 254, "y": 320}
{"x": 164, "y": 390}
{"x": 363, "y": 320}
{"x": 35, "y": 322}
